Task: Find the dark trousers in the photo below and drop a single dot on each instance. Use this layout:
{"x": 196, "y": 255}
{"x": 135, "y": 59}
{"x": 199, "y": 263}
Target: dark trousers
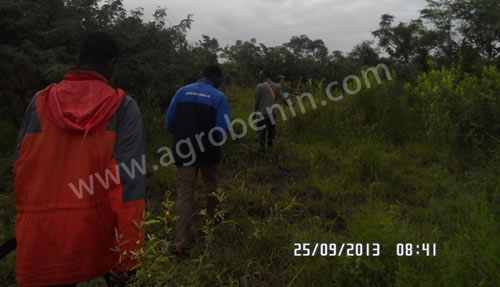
{"x": 269, "y": 129}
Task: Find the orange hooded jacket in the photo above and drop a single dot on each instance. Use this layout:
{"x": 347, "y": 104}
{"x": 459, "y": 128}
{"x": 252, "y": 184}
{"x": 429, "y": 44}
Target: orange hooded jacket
{"x": 79, "y": 177}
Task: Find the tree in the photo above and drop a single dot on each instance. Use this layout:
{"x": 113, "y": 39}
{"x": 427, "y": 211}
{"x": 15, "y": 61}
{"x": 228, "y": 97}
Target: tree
{"x": 399, "y": 41}
{"x": 247, "y": 60}
{"x": 364, "y": 54}
{"x": 301, "y": 46}
{"x": 442, "y": 34}
{"x": 479, "y": 24}
{"x": 467, "y": 29}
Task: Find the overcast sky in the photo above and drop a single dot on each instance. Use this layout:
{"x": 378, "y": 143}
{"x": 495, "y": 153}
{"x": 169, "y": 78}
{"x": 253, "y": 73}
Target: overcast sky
{"x": 341, "y": 24}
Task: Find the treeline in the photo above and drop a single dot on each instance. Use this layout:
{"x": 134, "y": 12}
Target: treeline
{"x": 40, "y": 43}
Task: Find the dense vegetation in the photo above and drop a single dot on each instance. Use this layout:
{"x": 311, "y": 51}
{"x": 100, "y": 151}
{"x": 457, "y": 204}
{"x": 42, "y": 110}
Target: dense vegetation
{"x": 413, "y": 160}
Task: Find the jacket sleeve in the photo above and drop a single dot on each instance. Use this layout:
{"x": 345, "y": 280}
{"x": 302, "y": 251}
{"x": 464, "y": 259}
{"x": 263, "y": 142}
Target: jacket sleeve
{"x": 171, "y": 111}
{"x": 30, "y": 124}
{"x": 222, "y": 114}
{"x": 128, "y": 202}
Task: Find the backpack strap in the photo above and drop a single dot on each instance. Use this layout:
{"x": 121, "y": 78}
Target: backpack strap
{"x": 271, "y": 90}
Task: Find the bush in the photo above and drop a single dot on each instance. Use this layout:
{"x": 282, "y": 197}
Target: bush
{"x": 460, "y": 109}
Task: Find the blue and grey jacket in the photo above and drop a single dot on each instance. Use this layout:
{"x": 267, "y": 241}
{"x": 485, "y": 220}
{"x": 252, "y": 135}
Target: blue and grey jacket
{"x": 198, "y": 118}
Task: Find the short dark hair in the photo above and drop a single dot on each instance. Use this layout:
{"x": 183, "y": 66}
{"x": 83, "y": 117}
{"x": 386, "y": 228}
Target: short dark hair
{"x": 212, "y": 71}
{"x": 266, "y": 73}
{"x": 98, "y": 47}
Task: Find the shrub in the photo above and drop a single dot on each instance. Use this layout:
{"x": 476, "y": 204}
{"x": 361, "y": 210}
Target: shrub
{"x": 457, "y": 108}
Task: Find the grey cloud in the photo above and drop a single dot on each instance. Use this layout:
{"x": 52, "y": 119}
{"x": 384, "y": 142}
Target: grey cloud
{"x": 341, "y": 24}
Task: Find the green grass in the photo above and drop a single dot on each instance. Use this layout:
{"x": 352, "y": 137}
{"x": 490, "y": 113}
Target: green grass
{"x": 352, "y": 172}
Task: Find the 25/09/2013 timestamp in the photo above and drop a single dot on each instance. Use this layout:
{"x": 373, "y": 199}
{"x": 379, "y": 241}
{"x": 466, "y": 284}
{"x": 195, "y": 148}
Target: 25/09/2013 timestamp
{"x": 361, "y": 249}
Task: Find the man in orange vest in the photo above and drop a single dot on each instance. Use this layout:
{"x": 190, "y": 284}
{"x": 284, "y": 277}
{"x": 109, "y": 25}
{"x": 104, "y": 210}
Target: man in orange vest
{"x": 80, "y": 176}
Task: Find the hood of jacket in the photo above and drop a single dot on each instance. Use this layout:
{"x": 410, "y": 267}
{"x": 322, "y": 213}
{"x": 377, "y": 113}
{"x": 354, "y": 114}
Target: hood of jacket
{"x": 83, "y": 102}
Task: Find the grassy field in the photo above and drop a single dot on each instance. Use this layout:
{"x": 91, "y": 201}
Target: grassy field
{"x": 362, "y": 170}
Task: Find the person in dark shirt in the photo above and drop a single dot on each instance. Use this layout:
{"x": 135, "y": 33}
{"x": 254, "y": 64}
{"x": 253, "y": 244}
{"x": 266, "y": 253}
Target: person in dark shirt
{"x": 198, "y": 118}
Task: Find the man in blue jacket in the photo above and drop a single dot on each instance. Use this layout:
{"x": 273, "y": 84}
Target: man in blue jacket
{"x": 198, "y": 119}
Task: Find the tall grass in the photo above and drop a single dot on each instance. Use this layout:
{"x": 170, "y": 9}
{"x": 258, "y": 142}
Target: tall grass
{"x": 382, "y": 166}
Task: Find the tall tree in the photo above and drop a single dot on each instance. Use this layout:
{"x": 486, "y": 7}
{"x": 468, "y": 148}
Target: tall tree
{"x": 442, "y": 34}
{"x": 399, "y": 41}
{"x": 480, "y": 24}
{"x": 364, "y": 54}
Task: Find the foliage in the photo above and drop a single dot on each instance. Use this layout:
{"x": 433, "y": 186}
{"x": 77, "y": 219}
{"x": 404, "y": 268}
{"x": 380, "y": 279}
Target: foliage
{"x": 412, "y": 159}
{"x": 460, "y": 108}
